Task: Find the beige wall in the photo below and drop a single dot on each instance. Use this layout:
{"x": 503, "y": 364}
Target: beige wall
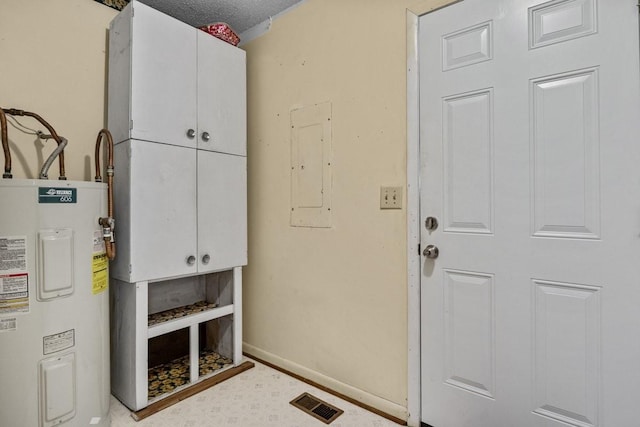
{"x": 52, "y": 63}
{"x": 331, "y": 302}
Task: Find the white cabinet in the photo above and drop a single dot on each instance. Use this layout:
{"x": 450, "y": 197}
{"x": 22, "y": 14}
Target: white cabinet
{"x": 180, "y": 211}
{"x": 174, "y": 84}
{"x": 177, "y": 111}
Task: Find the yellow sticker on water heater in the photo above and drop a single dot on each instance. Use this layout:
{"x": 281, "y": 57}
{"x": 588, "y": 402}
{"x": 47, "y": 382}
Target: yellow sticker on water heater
{"x": 100, "y": 270}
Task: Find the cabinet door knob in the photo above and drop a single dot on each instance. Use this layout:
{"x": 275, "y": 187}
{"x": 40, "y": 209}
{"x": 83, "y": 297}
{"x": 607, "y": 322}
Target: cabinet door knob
{"x": 205, "y": 136}
{"x": 191, "y": 133}
{"x": 191, "y": 260}
{"x": 206, "y": 258}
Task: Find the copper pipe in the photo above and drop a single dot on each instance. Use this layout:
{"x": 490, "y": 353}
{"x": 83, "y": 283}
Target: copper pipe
{"x": 108, "y": 222}
{"x": 5, "y": 145}
{"x": 109, "y": 241}
{"x": 52, "y": 131}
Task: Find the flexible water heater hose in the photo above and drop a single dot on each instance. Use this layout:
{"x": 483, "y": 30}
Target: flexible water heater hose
{"x": 108, "y": 223}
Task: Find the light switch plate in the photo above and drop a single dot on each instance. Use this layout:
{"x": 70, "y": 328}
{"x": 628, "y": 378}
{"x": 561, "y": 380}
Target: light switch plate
{"x": 390, "y": 197}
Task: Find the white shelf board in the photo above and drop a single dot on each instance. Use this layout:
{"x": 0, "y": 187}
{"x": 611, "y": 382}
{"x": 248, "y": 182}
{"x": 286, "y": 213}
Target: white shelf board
{"x": 185, "y": 322}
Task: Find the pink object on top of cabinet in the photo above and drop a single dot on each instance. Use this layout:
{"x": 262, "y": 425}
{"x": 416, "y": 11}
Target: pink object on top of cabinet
{"x": 222, "y": 31}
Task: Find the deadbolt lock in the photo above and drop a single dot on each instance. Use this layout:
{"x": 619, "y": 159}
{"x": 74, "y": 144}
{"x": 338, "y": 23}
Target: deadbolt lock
{"x": 431, "y": 223}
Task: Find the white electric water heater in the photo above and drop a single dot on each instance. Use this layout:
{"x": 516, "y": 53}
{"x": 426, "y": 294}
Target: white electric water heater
{"x": 54, "y": 304}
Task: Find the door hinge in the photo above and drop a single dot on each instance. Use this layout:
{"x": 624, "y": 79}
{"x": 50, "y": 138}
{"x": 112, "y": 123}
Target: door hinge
{"x": 419, "y": 253}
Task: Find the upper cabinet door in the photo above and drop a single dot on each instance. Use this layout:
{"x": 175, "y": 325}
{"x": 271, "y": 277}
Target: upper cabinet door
{"x": 163, "y": 74}
{"x": 222, "y": 98}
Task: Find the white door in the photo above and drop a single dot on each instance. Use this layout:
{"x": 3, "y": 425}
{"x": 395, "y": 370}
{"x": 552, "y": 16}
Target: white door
{"x": 530, "y": 161}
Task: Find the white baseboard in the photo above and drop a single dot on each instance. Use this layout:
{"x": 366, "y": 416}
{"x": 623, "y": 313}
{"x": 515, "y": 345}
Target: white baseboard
{"x": 357, "y": 394}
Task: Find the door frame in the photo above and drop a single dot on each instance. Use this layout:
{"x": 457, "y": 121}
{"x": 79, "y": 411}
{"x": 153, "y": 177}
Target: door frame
{"x": 414, "y": 258}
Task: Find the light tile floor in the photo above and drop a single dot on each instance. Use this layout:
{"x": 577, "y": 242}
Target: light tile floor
{"x": 258, "y": 397}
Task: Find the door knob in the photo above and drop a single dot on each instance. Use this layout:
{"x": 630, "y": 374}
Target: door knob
{"x": 206, "y": 258}
{"x": 191, "y": 133}
{"x": 431, "y": 252}
{"x": 191, "y": 260}
{"x": 205, "y": 136}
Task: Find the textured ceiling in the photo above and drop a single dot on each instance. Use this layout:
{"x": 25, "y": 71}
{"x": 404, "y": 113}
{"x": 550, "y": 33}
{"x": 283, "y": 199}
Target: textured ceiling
{"x": 239, "y": 14}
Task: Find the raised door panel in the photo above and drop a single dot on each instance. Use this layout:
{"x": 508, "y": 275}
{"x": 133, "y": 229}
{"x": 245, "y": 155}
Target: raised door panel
{"x": 567, "y": 337}
{"x": 566, "y": 164}
{"x": 163, "y": 72}
{"x": 163, "y": 211}
{"x": 468, "y": 163}
{"x": 469, "y": 312}
{"x": 222, "y": 96}
{"x": 222, "y": 211}
{"x": 561, "y": 20}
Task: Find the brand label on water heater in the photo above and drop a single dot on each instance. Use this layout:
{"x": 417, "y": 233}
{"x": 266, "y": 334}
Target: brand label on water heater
{"x": 57, "y": 195}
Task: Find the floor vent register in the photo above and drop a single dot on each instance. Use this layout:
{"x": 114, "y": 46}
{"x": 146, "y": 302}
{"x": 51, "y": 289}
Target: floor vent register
{"x": 317, "y": 408}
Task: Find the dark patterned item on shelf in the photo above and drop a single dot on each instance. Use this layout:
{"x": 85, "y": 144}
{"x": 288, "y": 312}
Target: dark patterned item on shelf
{"x": 167, "y": 377}
{"x": 176, "y": 313}
{"x": 116, "y": 4}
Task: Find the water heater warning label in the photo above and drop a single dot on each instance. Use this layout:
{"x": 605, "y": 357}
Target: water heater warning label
{"x": 13, "y": 254}
{"x": 14, "y": 279}
{"x": 14, "y": 293}
{"x": 100, "y": 268}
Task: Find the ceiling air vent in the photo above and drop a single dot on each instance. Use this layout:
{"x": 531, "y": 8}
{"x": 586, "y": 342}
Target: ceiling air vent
{"x": 317, "y": 408}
